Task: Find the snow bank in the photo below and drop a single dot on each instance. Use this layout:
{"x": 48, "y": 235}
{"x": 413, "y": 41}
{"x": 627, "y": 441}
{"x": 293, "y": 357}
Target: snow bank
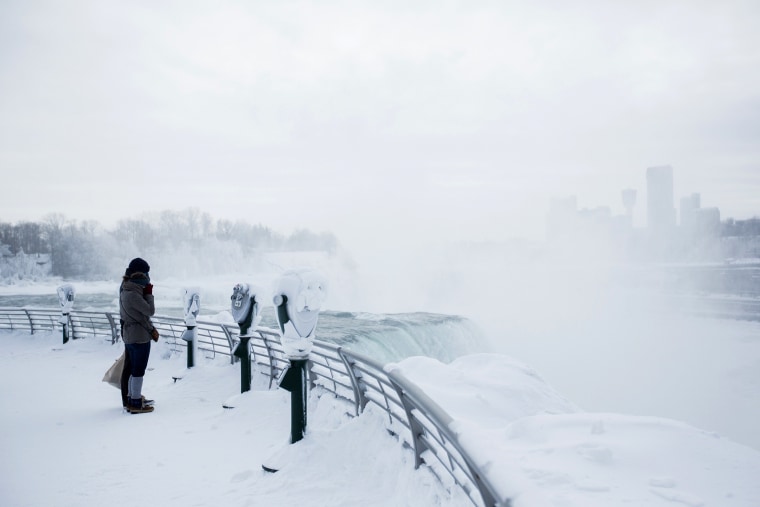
{"x": 540, "y": 450}
{"x": 590, "y": 460}
{"x": 487, "y": 390}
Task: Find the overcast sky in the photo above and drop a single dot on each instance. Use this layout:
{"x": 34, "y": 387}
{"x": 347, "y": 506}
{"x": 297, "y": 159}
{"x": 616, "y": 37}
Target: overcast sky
{"x": 454, "y": 119}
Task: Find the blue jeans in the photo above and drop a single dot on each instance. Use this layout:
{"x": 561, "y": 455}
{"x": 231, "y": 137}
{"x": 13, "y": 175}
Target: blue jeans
{"x": 137, "y": 358}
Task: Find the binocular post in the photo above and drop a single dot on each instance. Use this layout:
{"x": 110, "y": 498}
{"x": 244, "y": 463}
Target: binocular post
{"x": 66, "y": 299}
{"x": 192, "y": 308}
{"x": 245, "y": 311}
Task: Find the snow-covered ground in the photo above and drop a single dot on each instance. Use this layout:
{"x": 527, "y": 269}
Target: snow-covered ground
{"x": 65, "y": 440}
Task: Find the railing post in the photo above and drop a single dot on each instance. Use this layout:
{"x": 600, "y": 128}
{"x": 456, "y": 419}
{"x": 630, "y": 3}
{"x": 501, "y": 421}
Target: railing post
{"x": 416, "y": 429}
{"x": 272, "y": 366}
{"x": 230, "y": 341}
{"x": 360, "y": 401}
{"x": 31, "y": 322}
{"x": 413, "y": 397}
{"x": 311, "y": 375}
{"x": 114, "y": 329}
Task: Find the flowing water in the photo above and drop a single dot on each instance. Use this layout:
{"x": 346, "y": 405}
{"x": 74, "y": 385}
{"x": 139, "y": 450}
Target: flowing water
{"x": 384, "y": 337}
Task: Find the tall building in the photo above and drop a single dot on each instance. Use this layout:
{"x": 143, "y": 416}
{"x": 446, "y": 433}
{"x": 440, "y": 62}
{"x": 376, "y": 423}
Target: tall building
{"x": 661, "y": 214}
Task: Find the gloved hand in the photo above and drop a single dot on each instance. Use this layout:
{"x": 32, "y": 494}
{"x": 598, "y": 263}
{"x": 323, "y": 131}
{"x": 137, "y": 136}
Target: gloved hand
{"x": 154, "y": 334}
{"x": 148, "y": 289}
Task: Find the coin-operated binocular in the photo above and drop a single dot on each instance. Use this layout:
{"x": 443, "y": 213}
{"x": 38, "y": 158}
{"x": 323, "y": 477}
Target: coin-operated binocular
{"x": 66, "y": 299}
{"x": 245, "y": 311}
{"x": 298, "y": 297}
{"x": 191, "y": 304}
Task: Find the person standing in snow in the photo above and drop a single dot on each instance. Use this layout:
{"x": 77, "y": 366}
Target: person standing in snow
{"x": 136, "y": 307}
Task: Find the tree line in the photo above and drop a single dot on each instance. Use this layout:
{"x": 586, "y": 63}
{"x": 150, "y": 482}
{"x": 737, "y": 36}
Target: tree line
{"x": 87, "y": 250}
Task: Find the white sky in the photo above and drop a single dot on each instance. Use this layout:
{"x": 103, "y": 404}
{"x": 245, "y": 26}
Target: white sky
{"x": 454, "y": 119}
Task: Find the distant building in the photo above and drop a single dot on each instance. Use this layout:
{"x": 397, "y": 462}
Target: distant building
{"x": 661, "y": 214}
{"x": 741, "y": 238}
{"x": 690, "y": 206}
{"x": 749, "y": 227}
{"x": 562, "y": 220}
{"x": 707, "y": 222}
{"x": 700, "y": 230}
{"x": 587, "y": 232}
{"x": 629, "y": 201}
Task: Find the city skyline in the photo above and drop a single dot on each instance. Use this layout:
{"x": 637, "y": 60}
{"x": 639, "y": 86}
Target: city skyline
{"x": 687, "y": 232}
{"x": 659, "y": 201}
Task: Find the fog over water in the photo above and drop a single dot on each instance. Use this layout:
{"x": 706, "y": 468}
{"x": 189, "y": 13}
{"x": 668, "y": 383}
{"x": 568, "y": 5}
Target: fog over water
{"x": 611, "y": 337}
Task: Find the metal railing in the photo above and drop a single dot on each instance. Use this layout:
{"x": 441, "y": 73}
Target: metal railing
{"x": 416, "y": 420}
{"x": 30, "y": 319}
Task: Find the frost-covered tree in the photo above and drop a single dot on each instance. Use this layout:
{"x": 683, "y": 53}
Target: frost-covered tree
{"x": 182, "y": 242}
{"x": 22, "y": 266}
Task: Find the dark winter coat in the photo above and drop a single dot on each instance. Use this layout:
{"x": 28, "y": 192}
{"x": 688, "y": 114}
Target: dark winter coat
{"x": 136, "y": 310}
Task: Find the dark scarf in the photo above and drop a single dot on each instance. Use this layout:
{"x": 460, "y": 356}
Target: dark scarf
{"x": 142, "y": 279}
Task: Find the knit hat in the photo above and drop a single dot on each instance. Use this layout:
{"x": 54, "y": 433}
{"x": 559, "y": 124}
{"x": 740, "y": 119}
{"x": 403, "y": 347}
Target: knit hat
{"x": 137, "y": 265}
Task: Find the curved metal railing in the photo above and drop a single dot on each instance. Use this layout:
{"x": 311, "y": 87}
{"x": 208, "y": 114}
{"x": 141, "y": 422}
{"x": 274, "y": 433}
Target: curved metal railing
{"x": 414, "y": 419}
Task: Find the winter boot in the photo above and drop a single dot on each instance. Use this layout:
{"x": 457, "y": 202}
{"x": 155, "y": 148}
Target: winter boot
{"x": 136, "y": 406}
{"x": 145, "y": 401}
